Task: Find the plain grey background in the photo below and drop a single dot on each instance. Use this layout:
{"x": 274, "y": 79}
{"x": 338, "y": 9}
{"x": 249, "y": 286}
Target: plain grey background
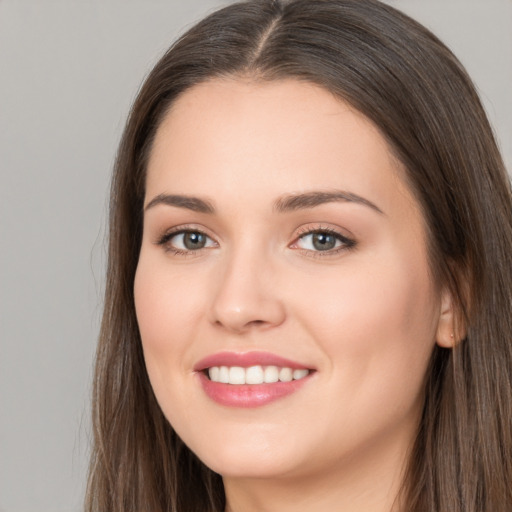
{"x": 69, "y": 70}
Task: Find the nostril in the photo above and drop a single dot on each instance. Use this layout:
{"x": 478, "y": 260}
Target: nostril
{"x": 241, "y": 326}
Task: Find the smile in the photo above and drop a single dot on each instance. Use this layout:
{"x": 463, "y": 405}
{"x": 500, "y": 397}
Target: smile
{"x": 250, "y": 379}
{"x": 237, "y": 375}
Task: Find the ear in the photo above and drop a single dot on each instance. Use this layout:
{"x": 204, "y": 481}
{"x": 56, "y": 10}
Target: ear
{"x": 450, "y": 328}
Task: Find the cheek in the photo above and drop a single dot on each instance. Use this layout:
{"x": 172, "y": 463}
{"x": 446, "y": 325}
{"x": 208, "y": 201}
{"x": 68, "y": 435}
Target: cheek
{"x": 154, "y": 306}
{"x": 167, "y": 309}
{"x": 165, "y": 302}
{"x": 376, "y": 322}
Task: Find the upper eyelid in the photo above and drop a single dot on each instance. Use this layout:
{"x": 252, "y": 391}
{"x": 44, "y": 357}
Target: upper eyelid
{"x": 342, "y": 238}
{"x": 348, "y": 241}
{"x": 323, "y": 228}
{"x": 184, "y": 228}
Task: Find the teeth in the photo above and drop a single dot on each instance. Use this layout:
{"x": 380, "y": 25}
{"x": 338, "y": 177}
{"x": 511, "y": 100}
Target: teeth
{"x": 285, "y": 374}
{"x": 236, "y": 375}
{"x": 271, "y": 374}
{"x": 254, "y": 374}
{"x": 214, "y": 373}
{"x": 223, "y": 374}
{"x": 299, "y": 374}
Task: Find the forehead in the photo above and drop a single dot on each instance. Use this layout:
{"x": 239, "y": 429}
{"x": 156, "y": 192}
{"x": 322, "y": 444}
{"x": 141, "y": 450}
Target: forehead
{"x": 246, "y": 137}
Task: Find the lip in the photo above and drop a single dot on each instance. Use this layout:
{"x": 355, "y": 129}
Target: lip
{"x": 247, "y": 359}
{"x": 248, "y": 395}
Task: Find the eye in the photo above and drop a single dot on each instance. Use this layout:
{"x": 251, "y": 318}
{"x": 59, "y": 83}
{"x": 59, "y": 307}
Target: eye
{"x": 186, "y": 241}
{"x": 327, "y": 241}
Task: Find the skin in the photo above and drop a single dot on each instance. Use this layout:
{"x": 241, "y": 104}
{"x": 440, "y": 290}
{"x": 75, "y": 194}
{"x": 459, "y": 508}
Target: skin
{"x": 365, "y": 317}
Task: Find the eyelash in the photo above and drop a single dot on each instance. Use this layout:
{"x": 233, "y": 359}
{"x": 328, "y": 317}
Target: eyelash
{"x": 165, "y": 239}
{"x": 346, "y": 243}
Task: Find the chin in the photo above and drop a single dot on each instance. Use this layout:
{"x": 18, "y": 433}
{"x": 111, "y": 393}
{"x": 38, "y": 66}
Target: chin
{"x": 249, "y": 466}
{"x": 251, "y": 457}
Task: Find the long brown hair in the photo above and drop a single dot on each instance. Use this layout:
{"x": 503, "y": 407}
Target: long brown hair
{"x": 416, "y": 92}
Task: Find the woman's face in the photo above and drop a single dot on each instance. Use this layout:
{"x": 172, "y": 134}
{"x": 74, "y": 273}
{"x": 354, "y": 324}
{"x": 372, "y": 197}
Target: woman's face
{"x": 279, "y": 236}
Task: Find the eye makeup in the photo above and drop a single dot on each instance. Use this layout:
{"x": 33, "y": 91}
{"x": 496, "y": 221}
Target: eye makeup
{"x": 320, "y": 241}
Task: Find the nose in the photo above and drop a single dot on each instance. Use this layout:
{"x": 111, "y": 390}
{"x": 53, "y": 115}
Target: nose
{"x": 247, "y": 295}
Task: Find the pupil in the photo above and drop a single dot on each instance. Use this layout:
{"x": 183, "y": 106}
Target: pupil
{"x": 323, "y": 241}
{"x": 194, "y": 241}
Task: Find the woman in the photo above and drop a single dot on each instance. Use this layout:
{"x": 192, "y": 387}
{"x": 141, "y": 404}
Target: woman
{"x": 308, "y": 296}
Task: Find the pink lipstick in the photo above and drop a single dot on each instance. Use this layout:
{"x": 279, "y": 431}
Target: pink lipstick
{"x": 250, "y": 379}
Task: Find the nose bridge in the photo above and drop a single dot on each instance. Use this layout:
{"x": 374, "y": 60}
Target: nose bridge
{"x": 246, "y": 297}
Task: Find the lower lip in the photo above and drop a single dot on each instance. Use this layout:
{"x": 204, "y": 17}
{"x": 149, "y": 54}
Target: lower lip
{"x": 249, "y": 395}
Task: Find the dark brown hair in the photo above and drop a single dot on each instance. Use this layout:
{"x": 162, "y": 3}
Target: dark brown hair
{"x": 416, "y": 92}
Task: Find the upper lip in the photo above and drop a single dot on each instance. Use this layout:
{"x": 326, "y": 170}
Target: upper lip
{"x": 247, "y": 359}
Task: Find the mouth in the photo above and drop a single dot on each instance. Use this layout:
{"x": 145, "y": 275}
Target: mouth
{"x": 250, "y": 379}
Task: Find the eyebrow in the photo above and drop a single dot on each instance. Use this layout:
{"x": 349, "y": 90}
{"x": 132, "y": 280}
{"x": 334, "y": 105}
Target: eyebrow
{"x": 284, "y": 204}
{"x": 188, "y": 202}
{"x": 316, "y": 198}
